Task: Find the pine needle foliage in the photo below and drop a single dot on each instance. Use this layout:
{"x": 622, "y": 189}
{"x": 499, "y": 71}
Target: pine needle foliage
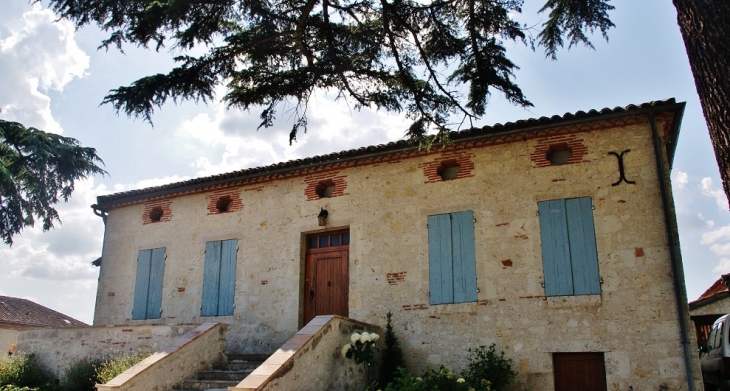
{"x": 37, "y": 170}
{"x": 392, "y": 355}
{"x": 412, "y": 56}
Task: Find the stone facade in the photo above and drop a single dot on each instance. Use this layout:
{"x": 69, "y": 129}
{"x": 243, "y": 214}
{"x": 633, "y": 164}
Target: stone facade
{"x": 385, "y": 198}
{"x": 58, "y": 349}
{"x": 719, "y": 307}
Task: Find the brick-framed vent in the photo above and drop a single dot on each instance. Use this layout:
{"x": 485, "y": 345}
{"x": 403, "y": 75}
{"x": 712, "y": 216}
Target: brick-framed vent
{"x": 157, "y": 211}
{"x": 224, "y": 201}
{"x": 325, "y": 185}
{"x": 559, "y": 150}
{"x": 450, "y": 165}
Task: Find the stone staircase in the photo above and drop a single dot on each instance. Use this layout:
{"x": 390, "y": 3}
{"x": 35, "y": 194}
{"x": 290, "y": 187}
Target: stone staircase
{"x": 223, "y": 374}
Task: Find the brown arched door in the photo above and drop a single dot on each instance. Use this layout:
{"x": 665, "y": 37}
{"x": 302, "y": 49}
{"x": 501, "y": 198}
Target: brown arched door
{"x": 326, "y": 276}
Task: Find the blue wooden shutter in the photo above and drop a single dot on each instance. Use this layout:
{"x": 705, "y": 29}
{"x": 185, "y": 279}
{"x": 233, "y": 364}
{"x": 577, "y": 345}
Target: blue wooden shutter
{"x": 141, "y": 284}
{"x": 440, "y": 262}
{"x": 211, "y": 279}
{"x": 583, "y": 254}
{"x": 157, "y": 272}
{"x": 227, "y": 288}
{"x": 464, "y": 261}
{"x": 555, "y": 248}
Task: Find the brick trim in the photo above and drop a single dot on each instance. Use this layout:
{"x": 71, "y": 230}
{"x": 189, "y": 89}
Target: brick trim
{"x": 401, "y": 156}
{"x": 540, "y": 151}
{"x": 233, "y": 195}
{"x": 432, "y": 169}
{"x": 313, "y": 182}
{"x": 163, "y": 205}
{"x": 395, "y": 278}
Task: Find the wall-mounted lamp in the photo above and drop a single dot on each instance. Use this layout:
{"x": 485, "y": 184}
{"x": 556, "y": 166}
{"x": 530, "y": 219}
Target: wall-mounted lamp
{"x": 322, "y": 217}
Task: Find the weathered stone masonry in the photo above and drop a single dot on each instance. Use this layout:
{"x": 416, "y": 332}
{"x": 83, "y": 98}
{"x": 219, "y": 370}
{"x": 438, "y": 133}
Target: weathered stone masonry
{"x": 502, "y": 177}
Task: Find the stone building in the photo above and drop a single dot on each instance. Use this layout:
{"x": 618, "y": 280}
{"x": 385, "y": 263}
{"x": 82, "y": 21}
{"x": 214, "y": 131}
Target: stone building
{"x": 712, "y": 304}
{"x": 554, "y": 238}
{"x": 18, "y": 314}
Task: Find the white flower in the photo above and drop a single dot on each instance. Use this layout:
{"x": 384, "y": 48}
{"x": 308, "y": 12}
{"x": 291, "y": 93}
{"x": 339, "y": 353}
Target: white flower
{"x": 374, "y": 337}
{"x": 355, "y": 337}
{"x": 364, "y": 337}
{"x": 345, "y": 349}
{"x": 460, "y": 380}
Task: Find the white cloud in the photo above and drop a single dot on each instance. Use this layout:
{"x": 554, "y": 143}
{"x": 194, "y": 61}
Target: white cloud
{"x": 719, "y": 241}
{"x": 679, "y": 179}
{"x": 39, "y": 54}
{"x": 723, "y": 267}
{"x": 709, "y": 190}
{"x": 722, "y": 233}
{"x": 721, "y": 249}
{"x": 332, "y": 127}
{"x": 151, "y": 182}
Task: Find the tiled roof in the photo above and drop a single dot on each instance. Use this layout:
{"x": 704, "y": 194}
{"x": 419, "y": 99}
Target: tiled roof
{"x": 397, "y": 146}
{"x": 718, "y": 290}
{"x": 22, "y": 312}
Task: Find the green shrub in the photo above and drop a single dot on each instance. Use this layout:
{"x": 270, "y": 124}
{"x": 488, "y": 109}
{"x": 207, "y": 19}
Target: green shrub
{"x": 486, "y": 371}
{"x": 486, "y": 368}
{"x": 25, "y": 370}
{"x": 392, "y": 356}
{"x": 80, "y": 376}
{"x": 109, "y": 369}
{"x": 12, "y": 387}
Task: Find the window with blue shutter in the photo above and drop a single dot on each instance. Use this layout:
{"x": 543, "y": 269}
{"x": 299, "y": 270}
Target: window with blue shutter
{"x": 569, "y": 256}
{"x": 219, "y": 278}
{"x": 451, "y": 259}
{"x": 148, "y": 284}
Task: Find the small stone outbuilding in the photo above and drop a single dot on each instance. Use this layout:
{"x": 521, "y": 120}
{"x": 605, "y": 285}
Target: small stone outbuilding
{"x": 712, "y": 304}
{"x": 21, "y": 314}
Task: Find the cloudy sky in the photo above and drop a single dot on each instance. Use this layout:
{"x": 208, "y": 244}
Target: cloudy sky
{"x": 53, "y": 78}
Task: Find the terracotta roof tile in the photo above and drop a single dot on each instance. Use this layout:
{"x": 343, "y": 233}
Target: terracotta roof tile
{"x": 401, "y": 145}
{"x": 22, "y": 312}
{"x": 716, "y": 291}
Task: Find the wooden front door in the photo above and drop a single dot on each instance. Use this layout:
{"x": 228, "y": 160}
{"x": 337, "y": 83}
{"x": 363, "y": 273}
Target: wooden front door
{"x": 326, "y": 276}
{"x": 579, "y": 371}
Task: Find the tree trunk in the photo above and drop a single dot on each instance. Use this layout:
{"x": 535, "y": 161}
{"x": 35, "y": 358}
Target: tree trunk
{"x": 705, "y": 27}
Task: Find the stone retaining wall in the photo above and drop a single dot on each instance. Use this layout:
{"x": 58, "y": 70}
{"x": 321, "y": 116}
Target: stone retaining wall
{"x": 59, "y": 348}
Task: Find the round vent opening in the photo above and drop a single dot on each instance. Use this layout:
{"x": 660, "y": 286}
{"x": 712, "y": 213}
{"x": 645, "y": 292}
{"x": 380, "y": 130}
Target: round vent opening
{"x": 325, "y": 189}
{"x": 223, "y": 204}
{"x": 156, "y": 213}
{"x": 449, "y": 170}
{"x": 559, "y": 154}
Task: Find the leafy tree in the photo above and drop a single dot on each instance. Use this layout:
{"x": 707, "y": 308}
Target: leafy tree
{"x": 396, "y": 55}
{"x": 706, "y": 32}
{"x": 36, "y": 170}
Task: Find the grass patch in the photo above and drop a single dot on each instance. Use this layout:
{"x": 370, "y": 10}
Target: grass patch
{"x": 109, "y": 369}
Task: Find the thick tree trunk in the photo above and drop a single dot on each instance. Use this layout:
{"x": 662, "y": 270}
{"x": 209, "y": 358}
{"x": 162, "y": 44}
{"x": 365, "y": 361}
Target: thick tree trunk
{"x": 705, "y": 27}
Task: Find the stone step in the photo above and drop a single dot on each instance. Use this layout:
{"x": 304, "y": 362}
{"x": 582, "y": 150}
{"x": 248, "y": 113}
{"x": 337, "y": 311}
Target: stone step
{"x": 223, "y": 375}
{"x": 234, "y": 365}
{"x": 207, "y": 385}
{"x": 247, "y": 357}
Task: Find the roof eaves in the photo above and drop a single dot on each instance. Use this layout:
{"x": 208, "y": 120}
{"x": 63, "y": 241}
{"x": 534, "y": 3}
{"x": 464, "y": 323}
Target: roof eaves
{"x": 693, "y": 305}
{"x": 520, "y": 126}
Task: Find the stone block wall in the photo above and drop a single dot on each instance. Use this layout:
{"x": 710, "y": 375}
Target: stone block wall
{"x": 59, "y": 348}
{"x": 8, "y": 337}
{"x": 385, "y": 205}
{"x": 719, "y": 307}
{"x": 170, "y": 365}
